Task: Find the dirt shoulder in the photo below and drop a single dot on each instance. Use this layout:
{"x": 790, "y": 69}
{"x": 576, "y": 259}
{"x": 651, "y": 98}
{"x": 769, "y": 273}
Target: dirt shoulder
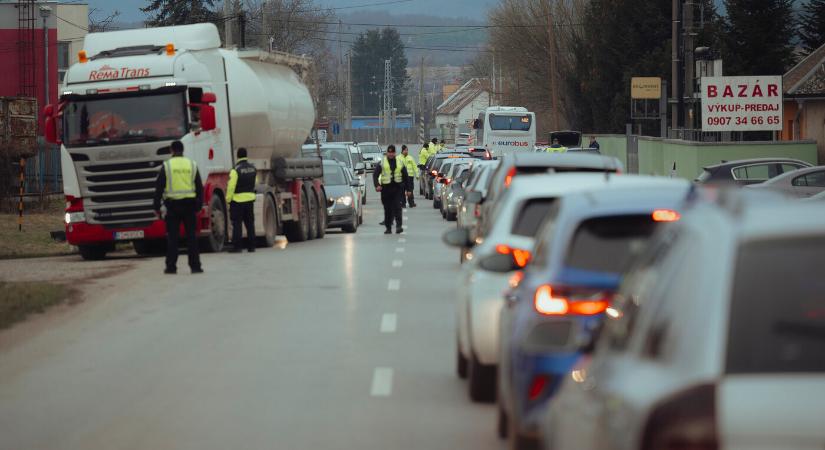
{"x": 35, "y": 238}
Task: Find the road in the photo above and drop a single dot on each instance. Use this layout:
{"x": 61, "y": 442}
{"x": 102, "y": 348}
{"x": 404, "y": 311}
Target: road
{"x": 343, "y": 343}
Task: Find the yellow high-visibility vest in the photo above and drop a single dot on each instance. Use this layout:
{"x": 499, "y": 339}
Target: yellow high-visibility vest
{"x": 412, "y": 168}
{"x": 387, "y": 175}
{"x": 180, "y": 178}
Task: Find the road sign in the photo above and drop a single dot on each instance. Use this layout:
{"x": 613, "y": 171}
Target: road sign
{"x": 336, "y": 128}
{"x": 742, "y": 103}
{"x": 646, "y": 88}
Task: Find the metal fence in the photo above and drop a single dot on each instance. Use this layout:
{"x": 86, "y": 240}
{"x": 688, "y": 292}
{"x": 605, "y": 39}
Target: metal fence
{"x": 43, "y": 175}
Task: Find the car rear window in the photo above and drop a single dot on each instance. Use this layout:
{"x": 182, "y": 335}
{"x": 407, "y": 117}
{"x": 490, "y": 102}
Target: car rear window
{"x": 334, "y": 176}
{"x": 532, "y": 215}
{"x": 777, "y": 315}
{"x": 609, "y": 244}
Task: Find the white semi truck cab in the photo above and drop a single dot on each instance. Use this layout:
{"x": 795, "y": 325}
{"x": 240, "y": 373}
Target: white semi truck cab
{"x": 133, "y": 92}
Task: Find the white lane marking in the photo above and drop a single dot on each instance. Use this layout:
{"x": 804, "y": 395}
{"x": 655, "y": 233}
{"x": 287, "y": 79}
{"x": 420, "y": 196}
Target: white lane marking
{"x": 394, "y": 285}
{"x": 381, "y": 382}
{"x": 389, "y": 323}
{"x": 402, "y": 240}
{"x": 397, "y": 263}
{"x": 406, "y": 217}
{"x": 399, "y": 250}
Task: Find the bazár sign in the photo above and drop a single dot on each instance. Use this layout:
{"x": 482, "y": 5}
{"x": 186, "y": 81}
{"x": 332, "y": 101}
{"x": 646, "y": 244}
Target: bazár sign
{"x": 741, "y": 103}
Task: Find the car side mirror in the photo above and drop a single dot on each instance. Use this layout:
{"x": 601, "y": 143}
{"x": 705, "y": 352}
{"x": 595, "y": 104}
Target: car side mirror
{"x": 360, "y": 168}
{"x": 458, "y": 237}
{"x": 473, "y": 197}
{"x": 355, "y": 183}
{"x": 50, "y": 125}
{"x": 499, "y": 263}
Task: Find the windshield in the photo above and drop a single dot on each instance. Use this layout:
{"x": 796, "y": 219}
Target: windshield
{"x": 369, "y": 149}
{"x": 334, "y": 176}
{"x": 609, "y": 244}
{"x": 521, "y": 122}
{"x": 120, "y": 120}
{"x": 340, "y": 154}
{"x": 777, "y": 316}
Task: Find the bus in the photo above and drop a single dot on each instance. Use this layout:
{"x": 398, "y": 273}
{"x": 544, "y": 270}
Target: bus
{"x": 503, "y": 130}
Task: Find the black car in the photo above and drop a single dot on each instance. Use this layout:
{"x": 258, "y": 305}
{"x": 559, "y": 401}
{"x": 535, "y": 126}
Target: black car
{"x": 748, "y": 171}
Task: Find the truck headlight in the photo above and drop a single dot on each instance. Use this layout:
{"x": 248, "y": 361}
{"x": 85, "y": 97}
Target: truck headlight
{"x": 75, "y": 217}
{"x": 345, "y": 200}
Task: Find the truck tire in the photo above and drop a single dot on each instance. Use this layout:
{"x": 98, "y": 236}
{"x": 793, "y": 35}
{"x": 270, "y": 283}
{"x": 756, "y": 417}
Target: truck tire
{"x": 149, "y": 247}
{"x": 93, "y": 252}
{"x": 313, "y": 213}
{"x": 218, "y": 226}
{"x": 298, "y": 230}
{"x": 270, "y": 224}
{"x": 322, "y": 214}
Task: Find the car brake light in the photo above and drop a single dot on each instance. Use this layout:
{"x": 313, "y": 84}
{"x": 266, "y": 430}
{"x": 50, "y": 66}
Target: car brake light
{"x": 537, "y": 386}
{"x": 515, "y": 279}
{"x": 550, "y": 304}
{"x": 434, "y": 173}
{"x": 684, "y": 421}
{"x": 509, "y": 178}
{"x": 448, "y": 181}
{"x": 521, "y": 257}
{"x": 666, "y": 215}
{"x": 477, "y": 211}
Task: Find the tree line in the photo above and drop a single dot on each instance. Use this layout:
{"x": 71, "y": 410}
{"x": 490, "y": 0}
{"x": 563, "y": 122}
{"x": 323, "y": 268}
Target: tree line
{"x": 587, "y": 50}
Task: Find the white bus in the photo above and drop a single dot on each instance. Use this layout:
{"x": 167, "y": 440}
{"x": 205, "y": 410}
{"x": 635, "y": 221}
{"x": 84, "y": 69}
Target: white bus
{"x": 505, "y": 129}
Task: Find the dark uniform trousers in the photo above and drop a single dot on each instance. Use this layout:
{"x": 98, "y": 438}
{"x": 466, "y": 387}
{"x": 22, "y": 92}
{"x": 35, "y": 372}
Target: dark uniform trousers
{"x": 177, "y": 212}
{"x": 392, "y": 196}
{"x": 243, "y": 214}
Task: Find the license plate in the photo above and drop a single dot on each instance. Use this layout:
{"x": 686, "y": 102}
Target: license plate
{"x": 126, "y": 235}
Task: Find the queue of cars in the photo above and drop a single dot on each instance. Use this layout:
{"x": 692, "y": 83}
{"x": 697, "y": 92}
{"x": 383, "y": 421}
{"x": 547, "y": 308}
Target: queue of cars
{"x": 602, "y": 310}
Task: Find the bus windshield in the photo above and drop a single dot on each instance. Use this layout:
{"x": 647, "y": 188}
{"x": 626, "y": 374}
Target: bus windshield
{"x": 124, "y": 119}
{"x": 521, "y": 122}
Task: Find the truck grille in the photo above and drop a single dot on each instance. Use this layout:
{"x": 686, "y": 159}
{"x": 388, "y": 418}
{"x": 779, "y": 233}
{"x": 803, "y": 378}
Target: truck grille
{"x": 118, "y": 194}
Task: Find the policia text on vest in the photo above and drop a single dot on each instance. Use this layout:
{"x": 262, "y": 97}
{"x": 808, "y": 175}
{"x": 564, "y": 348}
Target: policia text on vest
{"x": 240, "y": 195}
{"x": 179, "y": 185}
{"x": 391, "y": 180}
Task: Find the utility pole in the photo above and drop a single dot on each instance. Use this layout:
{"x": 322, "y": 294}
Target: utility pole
{"x": 387, "y": 91}
{"x": 421, "y": 134}
{"x": 242, "y": 27}
{"x": 228, "y": 11}
{"x": 45, "y": 12}
{"x": 690, "y": 65}
{"x": 553, "y": 54}
{"x": 265, "y": 38}
{"x": 677, "y": 68}
{"x": 348, "y": 98}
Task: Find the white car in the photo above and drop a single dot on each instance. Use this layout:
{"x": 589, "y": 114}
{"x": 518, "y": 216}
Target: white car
{"x": 716, "y": 340}
{"x": 519, "y": 213}
{"x": 801, "y": 183}
{"x": 372, "y": 153}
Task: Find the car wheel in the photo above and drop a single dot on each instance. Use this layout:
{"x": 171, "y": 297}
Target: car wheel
{"x": 451, "y": 217}
{"x": 482, "y": 381}
{"x": 351, "y": 227}
{"x": 93, "y": 252}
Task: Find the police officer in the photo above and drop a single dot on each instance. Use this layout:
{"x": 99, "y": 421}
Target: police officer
{"x": 180, "y": 186}
{"x": 240, "y": 195}
{"x": 391, "y": 180}
{"x": 441, "y": 146}
{"x": 412, "y": 174}
{"x": 556, "y": 147}
{"x": 434, "y": 146}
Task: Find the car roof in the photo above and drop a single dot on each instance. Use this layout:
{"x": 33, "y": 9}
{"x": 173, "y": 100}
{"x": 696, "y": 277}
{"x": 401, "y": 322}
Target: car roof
{"x": 781, "y": 179}
{"x": 563, "y": 160}
{"x": 552, "y": 185}
{"x": 740, "y": 162}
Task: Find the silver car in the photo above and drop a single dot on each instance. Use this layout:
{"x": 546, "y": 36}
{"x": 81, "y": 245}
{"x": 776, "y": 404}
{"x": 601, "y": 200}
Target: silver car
{"x": 800, "y": 183}
{"x": 452, "y": 187}
{"x": 714, "y": 341}
{"x": 372, "y": 153}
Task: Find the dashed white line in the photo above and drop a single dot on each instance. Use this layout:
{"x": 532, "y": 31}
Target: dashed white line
{"x": 389, "y": 323}
{"x": 381, "y": 382}
{"x": 397, "y": 263}
{"x": 399, "y": 250}
{"x": 394, "y": 284}
{"x": 402, "y": 240}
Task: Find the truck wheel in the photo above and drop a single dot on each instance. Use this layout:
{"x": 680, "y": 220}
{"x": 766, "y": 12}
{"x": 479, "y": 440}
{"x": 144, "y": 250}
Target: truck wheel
{"x": 217, "y": 215}
{"x": 313, "y": 214}
{"x": 322, "y": 216}
{"x": 298, "y": 230}
{"x": 270, "y": 224}
{"x": 149, "y": 247}
{"x": 92, "y": 252}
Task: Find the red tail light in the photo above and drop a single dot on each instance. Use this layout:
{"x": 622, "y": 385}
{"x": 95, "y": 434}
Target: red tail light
{"x": 477, "y": 211}
{"x": 509, "y": 178}
{"x": 434, "y": 173}
{"x": 563, "y": 302}
{"x": 448, "y": 181}
{"x": 521, "y": 257}
{"x": 537, "y": 386}
{"x": 685, "y": 421}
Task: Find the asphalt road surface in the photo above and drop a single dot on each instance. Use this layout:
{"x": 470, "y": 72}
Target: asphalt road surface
{"x": 342, "y": 343}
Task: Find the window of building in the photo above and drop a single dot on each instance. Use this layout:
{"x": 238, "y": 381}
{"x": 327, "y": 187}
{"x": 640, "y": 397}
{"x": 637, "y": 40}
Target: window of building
{"x": 62, "y": 60}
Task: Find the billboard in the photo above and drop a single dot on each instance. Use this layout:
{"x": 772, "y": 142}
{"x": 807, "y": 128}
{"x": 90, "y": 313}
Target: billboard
{"x": 742, "y": 103}
{"x": 646, "y": 88}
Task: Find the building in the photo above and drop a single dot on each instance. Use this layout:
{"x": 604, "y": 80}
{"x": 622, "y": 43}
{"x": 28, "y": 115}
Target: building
{"x": 456, "y": 113}
{"x": 22, "y": 25}
{"x": 804, "y": 101}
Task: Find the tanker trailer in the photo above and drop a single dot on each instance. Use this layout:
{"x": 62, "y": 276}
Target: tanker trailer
{"x": 133, "y": 92}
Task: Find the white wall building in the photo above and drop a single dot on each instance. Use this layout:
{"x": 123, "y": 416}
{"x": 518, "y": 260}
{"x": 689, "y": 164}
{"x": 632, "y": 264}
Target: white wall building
{"x": 456, "y": 114}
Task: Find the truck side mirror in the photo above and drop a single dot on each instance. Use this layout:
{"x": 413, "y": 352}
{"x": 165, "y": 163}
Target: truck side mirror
{"x": 207, "y": 116}
{"x": 50, "y": 125}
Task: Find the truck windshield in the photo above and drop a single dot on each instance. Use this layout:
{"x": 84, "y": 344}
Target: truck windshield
{"x": 521, "y": 122}
{"x": 127, "y": 119}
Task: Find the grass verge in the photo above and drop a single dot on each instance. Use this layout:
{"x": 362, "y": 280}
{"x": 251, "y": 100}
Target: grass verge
{"x": 19, "y": 300}
{"x": 35, "y": 239}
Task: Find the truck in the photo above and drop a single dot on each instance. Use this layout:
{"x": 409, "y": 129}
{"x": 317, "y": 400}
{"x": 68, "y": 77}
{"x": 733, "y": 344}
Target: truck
{"x": 133, "y": 92}
{"x": 503, "y": 130}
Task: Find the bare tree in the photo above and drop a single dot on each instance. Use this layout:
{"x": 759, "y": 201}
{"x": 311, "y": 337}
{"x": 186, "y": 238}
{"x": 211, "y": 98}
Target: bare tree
{"x": 97, "y": 25}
